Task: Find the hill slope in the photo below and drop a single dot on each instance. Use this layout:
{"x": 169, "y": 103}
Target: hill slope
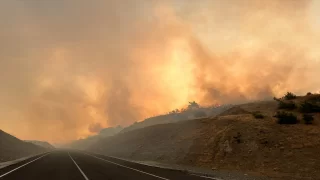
{"x": 178, "y": 117}
{"x": 43, "y": 144}
{"x": 230, "y": 141}
{"x": 89, "y": 141}
{"x": 13, "y": 148}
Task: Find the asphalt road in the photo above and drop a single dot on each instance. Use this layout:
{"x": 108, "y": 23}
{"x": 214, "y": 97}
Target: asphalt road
{"x": 74, "y": 165}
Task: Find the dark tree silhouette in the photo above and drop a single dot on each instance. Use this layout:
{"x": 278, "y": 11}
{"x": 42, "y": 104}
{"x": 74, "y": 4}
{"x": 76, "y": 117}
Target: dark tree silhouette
{"x": 193, "y": 105}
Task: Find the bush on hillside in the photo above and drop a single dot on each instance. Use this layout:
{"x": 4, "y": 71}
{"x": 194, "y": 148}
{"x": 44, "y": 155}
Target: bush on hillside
{"x": 309, "y": 107}
{"x": 286, "y": 118}
{"x": 176, "y": 111}
{"x": 286, "y": 105}
{"x": 289, "y": 96}
{"x": 308, "y": 118}
{"x": 276, "y": 99}
{"x": 315, "y": 99}
{"x": 193, "y": 105}
{"x": 309, "y": 94}
{"x": 258, "y": 115}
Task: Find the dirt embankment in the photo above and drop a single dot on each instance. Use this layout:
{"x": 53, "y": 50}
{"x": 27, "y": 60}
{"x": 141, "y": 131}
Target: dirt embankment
{"x": 235, "y": 140}
{"x": 12, "y": 148}
{"x": 164, "y": 142}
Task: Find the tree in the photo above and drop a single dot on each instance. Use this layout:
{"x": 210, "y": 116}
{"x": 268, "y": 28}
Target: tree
{"x": 183, "y": 110}
{"x": 309, "y": 94}
{"x": 289, "y": 96}
{"x": 193, "y": 105}
{"x": 176, "y": 111}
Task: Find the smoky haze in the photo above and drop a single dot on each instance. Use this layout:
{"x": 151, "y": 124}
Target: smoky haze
{"x": 70, "y": 68}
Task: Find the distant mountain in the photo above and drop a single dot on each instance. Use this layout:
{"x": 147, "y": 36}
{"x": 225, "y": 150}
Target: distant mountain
{"x": 89, "y": 141}
{"x": 41, "y": 143}
{"x": 13, "y": 148}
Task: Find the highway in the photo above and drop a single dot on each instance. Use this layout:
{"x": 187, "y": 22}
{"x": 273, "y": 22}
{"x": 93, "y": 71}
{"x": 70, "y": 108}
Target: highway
{"x": 76, "y": 165}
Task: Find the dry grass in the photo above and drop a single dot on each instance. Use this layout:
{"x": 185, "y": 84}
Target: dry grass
{"x": 234, "y": 140}
{"x": 265, "y": 147}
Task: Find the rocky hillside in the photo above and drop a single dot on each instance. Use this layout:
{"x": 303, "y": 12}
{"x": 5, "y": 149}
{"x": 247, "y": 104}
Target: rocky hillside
{"x": 13, "y": 148}
{"x": 247, "y": 138}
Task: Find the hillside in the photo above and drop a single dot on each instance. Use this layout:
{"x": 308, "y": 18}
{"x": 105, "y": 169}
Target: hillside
{"x": 43, "y": 144}
{"x": 234, "y": 140}
{"x": 179, "y": 116}
{"x": 174, "y": 117}
{"x": 89, "y": 141}
{"x": 13, "y": 148}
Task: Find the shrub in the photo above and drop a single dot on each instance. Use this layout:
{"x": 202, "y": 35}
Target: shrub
{"x": 289, "y": 96}
{"x": 276, "y": 99}
{"x": 258, "y": 115}
{"x": 286, "y": 105}
{"x": 308, "y": 118}
{"x": 314, "y": 99}
{"x": 193, "y": 105}
{"x": 309, "y": 107}
{"x": 286, "y": 118}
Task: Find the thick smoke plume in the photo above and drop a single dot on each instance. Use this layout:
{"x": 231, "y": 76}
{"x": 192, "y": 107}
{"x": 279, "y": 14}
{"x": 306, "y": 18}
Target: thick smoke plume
{"x": 70, "y": 68}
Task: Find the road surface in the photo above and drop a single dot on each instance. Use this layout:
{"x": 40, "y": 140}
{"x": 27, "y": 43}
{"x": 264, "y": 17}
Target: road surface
{"x": 75, "y": 165}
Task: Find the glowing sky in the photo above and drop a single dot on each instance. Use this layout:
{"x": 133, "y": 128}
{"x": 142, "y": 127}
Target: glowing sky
{"x": 70, "y": 68}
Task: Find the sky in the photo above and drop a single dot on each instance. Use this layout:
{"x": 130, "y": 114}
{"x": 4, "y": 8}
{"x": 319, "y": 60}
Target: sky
{"x": 69, "y": 68}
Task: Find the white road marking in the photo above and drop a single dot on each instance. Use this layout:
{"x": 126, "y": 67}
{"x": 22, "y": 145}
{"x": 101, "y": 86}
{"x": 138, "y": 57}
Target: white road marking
{"x": 85, "y": 177}
{"x": 206, "y": 177}
{"x": 127, "y": 167}
{"x": 22, "y": 166}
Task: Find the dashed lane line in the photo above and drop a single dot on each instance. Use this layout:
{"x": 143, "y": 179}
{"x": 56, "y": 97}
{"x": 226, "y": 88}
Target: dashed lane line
{"x": 85, "y": 177}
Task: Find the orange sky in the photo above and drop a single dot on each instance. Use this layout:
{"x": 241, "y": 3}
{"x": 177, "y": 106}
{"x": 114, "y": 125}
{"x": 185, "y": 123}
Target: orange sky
{"x": 70, "y": 68}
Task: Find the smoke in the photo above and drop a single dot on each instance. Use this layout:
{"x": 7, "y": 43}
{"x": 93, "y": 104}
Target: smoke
{"x": 95, "y": 128}
{"x": 254, "y": 50}
{"x": 70, "y": 68}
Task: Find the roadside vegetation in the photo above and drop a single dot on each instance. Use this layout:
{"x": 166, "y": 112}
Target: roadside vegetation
{"x": 289, "y": 96}
{"x": 308, "y": 118}
{"x": 286, "y": 118}
{"x": 290, "y": 105}
{"x": 258, "y": 115}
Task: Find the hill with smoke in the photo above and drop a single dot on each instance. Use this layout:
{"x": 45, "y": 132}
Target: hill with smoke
{"x": 79, "y": 66}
